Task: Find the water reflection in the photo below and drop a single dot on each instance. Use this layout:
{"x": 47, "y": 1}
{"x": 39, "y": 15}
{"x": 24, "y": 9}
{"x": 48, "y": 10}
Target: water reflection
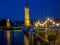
{"x": 1, "y": 38}
{"x": 12, "y": 37}
{"x": 8, "y": 37}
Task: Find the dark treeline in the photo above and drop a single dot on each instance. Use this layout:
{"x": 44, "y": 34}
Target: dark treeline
{"x": 3, "y": 23}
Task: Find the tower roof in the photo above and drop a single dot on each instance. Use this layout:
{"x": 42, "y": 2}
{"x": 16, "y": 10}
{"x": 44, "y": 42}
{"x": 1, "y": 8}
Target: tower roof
{"x": 27, "y": 6}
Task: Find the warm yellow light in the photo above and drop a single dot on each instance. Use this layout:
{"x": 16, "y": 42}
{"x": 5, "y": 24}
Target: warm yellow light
{"x": 53, "y": 22}
{"x": 8, "y": 37}
{"x": 36, "y": 24}
{"x": 41, "y": 25}
{"x": 8, "y": 23}
{"x": 57, "y": 24}
{"x": 48, "y": 19}
{"x": 27, "y": 22}
{"x": 27, "y": 16}
{"x": 45, "y": 21}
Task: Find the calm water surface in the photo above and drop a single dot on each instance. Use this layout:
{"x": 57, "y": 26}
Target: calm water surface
{"x": 16, "y": 37}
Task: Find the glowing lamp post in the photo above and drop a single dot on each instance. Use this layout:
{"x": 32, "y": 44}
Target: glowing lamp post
{"x": 57, "y": 24}
{"x": 50, "y": 20}
{"x": 53, "y": 22}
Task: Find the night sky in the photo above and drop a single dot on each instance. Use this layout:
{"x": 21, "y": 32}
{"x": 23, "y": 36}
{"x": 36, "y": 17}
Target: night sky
{"x": 39, "y": 9}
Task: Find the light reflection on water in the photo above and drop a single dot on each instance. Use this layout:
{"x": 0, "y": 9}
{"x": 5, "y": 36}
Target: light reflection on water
{"x": 8, "y": 37}
{"x": 12, "y": 37}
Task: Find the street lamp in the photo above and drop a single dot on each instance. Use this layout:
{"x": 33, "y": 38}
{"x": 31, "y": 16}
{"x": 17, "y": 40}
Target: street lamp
{"x": 36, "y": 25}
{"x": 53, "y": 22}
{"x": 57, "y": 24}
{"x": 48, "y": 19}
{"x": 45, "y": 22}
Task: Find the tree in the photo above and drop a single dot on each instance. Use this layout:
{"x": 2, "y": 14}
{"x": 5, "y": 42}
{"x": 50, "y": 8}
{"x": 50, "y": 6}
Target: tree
{"x": 37, "y": 40}
{"x": 52, "y": 38}
{"x": 42, "y": 33}
{"x": 3, "y": 23}
{"x": 41, "y": 36}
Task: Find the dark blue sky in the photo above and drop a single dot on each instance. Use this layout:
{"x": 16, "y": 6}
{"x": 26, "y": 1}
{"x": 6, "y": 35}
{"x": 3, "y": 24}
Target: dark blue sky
{"x": 14, "y": 9}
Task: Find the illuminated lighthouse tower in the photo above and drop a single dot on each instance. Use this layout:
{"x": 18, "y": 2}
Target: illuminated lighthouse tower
{"x": 27, "y": 16}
